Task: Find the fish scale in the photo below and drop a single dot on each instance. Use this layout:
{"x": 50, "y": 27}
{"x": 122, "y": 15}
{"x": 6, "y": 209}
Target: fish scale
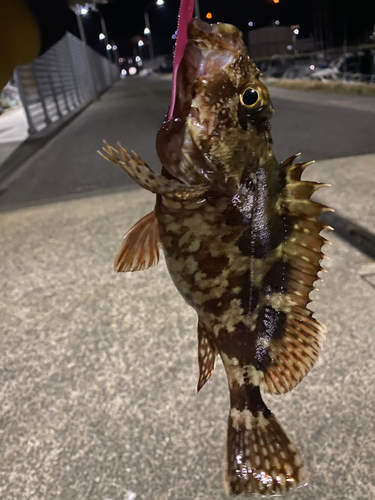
{"x": 241, "y": 243}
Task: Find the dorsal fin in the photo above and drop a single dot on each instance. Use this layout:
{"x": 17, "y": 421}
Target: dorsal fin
{"x": 140, "y": 247}
{"x": 294, "y": 353}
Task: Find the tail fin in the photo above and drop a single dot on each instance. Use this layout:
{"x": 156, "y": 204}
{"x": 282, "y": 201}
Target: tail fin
{"x": 260, "y": 457}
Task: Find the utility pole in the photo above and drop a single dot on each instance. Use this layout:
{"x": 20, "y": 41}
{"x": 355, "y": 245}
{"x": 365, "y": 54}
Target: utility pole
{"x": 148, "y": 32}
{"x": 196, "y": 9}
{"x": 83, "y": 38}
{"x": 104, "y": 30}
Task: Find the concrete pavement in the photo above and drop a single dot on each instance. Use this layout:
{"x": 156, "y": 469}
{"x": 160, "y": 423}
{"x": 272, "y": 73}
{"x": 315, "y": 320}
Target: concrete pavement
{"x": 98, "y": 371}
{"x": 13, "y": 131}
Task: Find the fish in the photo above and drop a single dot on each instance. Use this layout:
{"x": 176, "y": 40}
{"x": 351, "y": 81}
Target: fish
{"x": 242, "y": 244}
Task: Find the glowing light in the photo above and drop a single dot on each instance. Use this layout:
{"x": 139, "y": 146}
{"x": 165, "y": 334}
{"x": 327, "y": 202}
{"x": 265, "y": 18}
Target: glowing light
{"x": 250, "y": 23}
{"x": 209, "y": 15}
{"x": 132, "y": 70}
{"x": 109, "y": 46}
{"x": 277, "y": 22}
{"x": 289, "y": 47}
{"x": 101, "y": 36}
{"x": 123, "y": 72}
{"x": 160, "y": 2}
{"x": 276, "y": 1}
{"x": 114, "y": 47}
{"x": 312, "y": 67}
{"x": 140, "y": 43}
{"x": 137, "y": 58}
{"x": 296, "y": 31}
{"x": 146, "y": 31}
{"x": 84, "y": 11}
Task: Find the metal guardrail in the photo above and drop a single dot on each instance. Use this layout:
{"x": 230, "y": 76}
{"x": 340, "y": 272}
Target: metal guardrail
{"x": 64, "y": 79}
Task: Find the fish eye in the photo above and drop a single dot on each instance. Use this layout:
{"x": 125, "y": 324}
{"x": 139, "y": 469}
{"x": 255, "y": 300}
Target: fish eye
{"x": 251, "y": 98}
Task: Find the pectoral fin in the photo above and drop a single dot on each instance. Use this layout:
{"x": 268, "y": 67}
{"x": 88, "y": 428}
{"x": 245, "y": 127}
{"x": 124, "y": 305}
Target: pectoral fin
{"x": 143, "y": 175}
{"x": 140, "y": 247}
{"x": 207, "y": 353}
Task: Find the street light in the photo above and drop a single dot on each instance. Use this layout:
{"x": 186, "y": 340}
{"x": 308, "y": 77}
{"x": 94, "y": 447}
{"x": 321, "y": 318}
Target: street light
{"x": 251, "y": 24}
{"x": 295, "y": 29}
{"x": 140, "y": 48}
{"x": 84, "y": 11}
{"x": 147, "y": 24}
{"x": 79, "y": 12}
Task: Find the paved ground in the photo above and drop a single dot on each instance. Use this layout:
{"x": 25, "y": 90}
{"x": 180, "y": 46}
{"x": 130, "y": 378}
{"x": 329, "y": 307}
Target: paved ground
{"x": 13, "y": 131}
{"x": 97, "y": 372}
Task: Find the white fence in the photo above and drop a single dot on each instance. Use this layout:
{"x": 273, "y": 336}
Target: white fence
{"x": 64, "y": 79}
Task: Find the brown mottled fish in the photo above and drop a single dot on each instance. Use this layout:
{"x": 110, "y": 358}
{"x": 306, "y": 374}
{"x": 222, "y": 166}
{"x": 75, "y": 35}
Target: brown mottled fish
{"x": 242, "y": 245}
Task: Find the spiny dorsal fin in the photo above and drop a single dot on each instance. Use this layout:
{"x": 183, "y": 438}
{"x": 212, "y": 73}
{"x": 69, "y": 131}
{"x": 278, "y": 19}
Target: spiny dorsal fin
{"x": 140, "y": 247}
{"x": 145, "y": 177}
{"x": 295, "y": 352}
{"x": 206, "y": 356}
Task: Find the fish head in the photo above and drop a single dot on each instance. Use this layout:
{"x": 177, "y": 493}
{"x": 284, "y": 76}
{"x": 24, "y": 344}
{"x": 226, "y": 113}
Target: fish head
{"x": 222, "y": 110}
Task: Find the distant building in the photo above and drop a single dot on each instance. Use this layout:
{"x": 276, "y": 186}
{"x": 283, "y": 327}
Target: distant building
{"x": 276, "y": 40}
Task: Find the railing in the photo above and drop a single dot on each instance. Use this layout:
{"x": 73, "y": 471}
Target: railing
{"x": 61, "y": 81}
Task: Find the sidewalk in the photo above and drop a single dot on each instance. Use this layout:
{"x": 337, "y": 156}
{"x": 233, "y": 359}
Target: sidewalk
{"x": 98, "y": 371}
{"x": 13, "y": 131}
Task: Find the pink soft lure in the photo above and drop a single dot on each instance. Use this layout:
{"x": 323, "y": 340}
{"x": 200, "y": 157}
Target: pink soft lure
{"x": 184, "y": 16}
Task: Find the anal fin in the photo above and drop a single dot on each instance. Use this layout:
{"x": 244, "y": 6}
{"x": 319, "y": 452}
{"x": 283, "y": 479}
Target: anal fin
{"x": 207, "y": 353}
{"x": 140, "y": 247}
{"x": 293, "y": 356}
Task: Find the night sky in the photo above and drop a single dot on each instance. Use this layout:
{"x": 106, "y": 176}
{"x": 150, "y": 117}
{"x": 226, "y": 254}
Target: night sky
{"x": 125, "y": 19}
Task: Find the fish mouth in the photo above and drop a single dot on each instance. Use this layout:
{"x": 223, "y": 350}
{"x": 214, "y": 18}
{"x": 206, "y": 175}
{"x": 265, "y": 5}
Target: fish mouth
{"x": 221, "y": 35}
{"x": 211, "y": 47}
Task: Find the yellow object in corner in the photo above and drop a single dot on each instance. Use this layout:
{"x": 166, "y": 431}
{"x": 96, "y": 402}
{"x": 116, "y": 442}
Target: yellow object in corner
{"x": 19, "y": 37}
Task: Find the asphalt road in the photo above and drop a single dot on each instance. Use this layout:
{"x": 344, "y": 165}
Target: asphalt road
{"x": 321, "y": 126}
